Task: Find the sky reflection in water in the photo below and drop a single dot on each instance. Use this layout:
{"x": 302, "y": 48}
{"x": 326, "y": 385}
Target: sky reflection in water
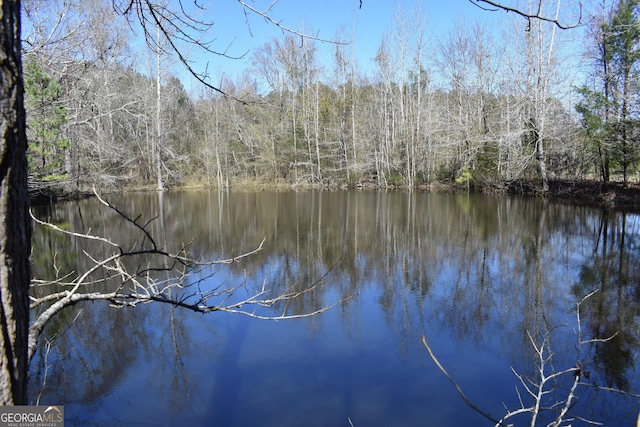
{"x": 472, "y": 273}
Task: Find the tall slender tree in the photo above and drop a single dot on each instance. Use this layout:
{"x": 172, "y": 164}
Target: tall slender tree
{"x": 625, "y": 55}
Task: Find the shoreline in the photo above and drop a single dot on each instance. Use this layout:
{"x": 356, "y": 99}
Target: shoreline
{"x": 613, "y": 196}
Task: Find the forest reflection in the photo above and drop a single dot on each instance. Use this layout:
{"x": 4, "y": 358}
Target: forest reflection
{"x": 489, "y": 270}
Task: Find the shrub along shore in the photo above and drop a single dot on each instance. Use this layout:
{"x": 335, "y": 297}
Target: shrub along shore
{"x": 614, "y": 195}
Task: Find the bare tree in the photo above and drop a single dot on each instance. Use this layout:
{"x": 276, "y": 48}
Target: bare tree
{"x": 158, "y": 136}
{"x": 541, "y": 62}
{"x": 84, "y": 48}
{"x": 344, "y": 80}
{"x": 177, "y": 26}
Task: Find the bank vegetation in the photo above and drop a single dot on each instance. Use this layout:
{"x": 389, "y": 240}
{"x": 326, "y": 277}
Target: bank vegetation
{"x": 513, "y": 108}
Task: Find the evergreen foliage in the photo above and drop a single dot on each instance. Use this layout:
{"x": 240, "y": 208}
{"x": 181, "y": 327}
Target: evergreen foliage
{"x": 46, "y": 117}
{"x": 465, "y": 107}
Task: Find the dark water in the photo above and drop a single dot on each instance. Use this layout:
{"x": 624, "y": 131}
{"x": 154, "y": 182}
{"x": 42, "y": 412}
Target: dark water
{"x": 480, "y": 277}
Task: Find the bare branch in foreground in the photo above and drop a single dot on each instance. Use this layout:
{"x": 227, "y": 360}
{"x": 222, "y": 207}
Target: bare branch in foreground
{"x": 543, "y": 384}
{"x": 455, "y": 384}
{"x": 267, "y": 17}
{"x": 182, "y": 28}
{"x": 159, "y": 276}
{"x": 495, "y": 6}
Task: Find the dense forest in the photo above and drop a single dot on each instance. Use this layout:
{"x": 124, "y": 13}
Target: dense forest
{"x": 479, "y": 107}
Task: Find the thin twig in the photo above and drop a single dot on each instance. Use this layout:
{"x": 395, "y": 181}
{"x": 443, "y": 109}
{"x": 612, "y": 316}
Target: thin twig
{"x": 529, "y": 16}
{"x": 131, "y": 287}
{"x": 455, "y": 384}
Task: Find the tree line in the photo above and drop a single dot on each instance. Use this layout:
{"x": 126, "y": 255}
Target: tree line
{"x": 478, "y": 106}
{"x": 98, "y": 111}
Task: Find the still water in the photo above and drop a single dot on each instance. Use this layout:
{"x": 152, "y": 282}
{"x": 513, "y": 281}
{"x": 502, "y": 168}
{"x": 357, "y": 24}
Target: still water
{"x": 482, "y": 278}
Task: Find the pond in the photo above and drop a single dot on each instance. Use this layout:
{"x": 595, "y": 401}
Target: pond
{"x": 487, "y": 281}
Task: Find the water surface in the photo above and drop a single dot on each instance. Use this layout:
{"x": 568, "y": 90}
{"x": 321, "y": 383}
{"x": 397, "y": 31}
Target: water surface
{"x": 480, "y": 277}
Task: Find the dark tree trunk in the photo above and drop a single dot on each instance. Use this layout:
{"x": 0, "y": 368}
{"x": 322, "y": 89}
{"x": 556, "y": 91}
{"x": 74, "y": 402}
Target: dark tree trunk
{"x": 15, "y": 224}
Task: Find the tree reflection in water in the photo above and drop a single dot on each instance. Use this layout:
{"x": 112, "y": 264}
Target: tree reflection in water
{"x": 476, "y": 273}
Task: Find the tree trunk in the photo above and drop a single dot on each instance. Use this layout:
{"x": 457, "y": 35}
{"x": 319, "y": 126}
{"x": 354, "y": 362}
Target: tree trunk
{"x": 15, "y": 225}
{"x": 158, "y": 145}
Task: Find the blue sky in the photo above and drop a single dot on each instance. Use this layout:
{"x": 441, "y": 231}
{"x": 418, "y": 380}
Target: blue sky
{"x": 326, "y": 18}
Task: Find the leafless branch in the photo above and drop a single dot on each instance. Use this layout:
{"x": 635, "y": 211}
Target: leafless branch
{"x": 181, "y": 26}
{"x": 543, "y": 384}
{"x": 129, "y": 287}
{"x": 71, "y": 233}
{"x": 495, "y": 6}
{"x": 455, "y": 384}
{"x": 265, "y": 15}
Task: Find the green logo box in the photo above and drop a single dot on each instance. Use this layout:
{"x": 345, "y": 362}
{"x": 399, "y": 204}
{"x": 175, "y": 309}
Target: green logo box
{"x": 31, "y": 416}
